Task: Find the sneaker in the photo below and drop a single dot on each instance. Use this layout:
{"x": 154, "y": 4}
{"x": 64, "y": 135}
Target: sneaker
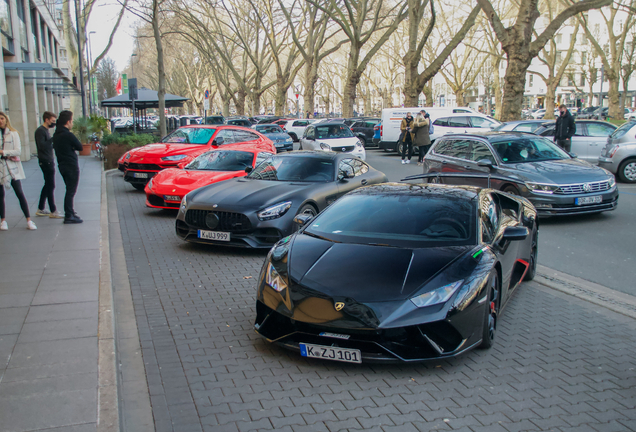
{"x": 403, "y": 161}
{"x": 42, "y": 212}
{"x": 408, "y": 161}
{"x": 420, "y": 164}
{"x": 56, "y": 215}
{"x": 31, "y": 225}
{"x": 4, "y": 226}
{"x": 73, "y": 219}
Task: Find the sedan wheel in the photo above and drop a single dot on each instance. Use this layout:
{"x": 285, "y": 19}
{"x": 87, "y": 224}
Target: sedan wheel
{"x": 308, "y": 209}
{"x": 627, "y": 171}
{"x": 490, "y": 316}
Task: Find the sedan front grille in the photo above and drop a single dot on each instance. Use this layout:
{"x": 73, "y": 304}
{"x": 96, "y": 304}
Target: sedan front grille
{"x": 342, "y": 149}
{"x": 583, "y": 188}
{"x": 227, "y": 222}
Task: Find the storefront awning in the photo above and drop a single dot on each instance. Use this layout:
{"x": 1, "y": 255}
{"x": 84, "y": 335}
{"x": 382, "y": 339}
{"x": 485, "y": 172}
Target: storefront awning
{"x": 45, "y": 75}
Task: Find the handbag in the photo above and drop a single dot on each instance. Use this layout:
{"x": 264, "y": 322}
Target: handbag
{"x": 13, "y": 158}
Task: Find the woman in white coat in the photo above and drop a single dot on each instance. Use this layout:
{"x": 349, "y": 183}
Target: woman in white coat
{"x": 11, "y": 171}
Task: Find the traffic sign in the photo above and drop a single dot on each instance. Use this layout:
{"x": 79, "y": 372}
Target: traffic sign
{"x": 296, "y": 95}
{"x": 206, "y": 104}
{"x": 207, "y": 94}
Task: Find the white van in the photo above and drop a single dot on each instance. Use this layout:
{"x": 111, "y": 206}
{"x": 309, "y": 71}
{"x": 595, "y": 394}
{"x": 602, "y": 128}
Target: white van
{"x": 392, "y": 118}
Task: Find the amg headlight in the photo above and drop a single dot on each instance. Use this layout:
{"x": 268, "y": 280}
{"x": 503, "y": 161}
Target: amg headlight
{"x": 542, "y": 188}
{"x": 437, "y": 296}
{"x": 273, "y": 279}
{"x": 325, "y": 146}
{"x": 174, "y": 158}
{"x": 184, "y": 204}
{"x": 275, "y": 211}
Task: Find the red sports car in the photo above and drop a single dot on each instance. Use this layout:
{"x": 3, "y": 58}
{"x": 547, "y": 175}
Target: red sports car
{"x": 167, "y": 188}
{"x": 182, "y": 146}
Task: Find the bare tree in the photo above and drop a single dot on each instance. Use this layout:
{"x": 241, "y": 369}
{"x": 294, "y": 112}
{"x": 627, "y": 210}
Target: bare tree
{"x": 106, "y": 76}
{"x": 629, "y": 66}
{"x": 520, "y": 48}
{"x": 359, "y": 21}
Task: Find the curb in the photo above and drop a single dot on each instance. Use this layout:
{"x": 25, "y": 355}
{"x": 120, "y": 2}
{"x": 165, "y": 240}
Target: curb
{"x": 107, "y": 395}
{"x": 597, "y": 294}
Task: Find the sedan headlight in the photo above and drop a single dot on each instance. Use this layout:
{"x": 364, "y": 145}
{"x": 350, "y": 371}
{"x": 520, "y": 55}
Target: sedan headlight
{"x": 174, "y": 158}
{"x": 275, "y": 211}
{"x": 611, "y": 181}
{"x": 542, "y": 188}
{"x": 359, "y": 144}
{"x": 437, "y": 296}
{"x": 325, "y": 146}
{"x": 273, "y": 279}
{"x": 289, "y": 140}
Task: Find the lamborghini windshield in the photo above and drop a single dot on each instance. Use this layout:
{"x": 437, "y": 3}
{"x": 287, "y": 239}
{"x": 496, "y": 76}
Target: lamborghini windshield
{"x": 189, "y": 135}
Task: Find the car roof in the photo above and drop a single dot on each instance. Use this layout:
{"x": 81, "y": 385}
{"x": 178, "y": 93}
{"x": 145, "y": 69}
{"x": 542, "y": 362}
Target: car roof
{"x": 490, "y": 136}
{"x": 442, "y": 190}
{"x": 266, "y": 124}
{"x": 330, "y": 123}
{"x": 551, "y": 122}
{"x": 318, "y": 154}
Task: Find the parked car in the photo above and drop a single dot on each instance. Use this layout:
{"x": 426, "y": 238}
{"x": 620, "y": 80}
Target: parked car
{"x": 166, "y": 189}
{"x": 215, "y": 120}
{"x": 526, "y": 165}
{"x": 182, "y": 146}
{"x": 461, "y": 123}
{"x": 398, "y": 272}
{"x": 331, "y": 136}
{"x": 538, "y": 114}
{"x": 363, "y": 129}
{"x": 239, "y": 121}
{"x": 519, "y": 126}
{"x": 268, "y": 119}
{"x": 296, "y": 127}
{"x": 586, "y": 113}
{"x": 589, "y": 140}
{"x": 282, "y": 141}
{"x": 619, "y": 154}
{"x": 257, "y": 211}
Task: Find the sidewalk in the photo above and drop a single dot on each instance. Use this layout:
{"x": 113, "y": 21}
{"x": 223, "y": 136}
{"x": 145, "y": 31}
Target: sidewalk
{"x": 49, "y": 300}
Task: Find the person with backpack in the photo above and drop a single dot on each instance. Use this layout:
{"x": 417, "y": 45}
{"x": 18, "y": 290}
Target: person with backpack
{"x": 407, "y": 137}
{"x": 11, "y": 171}
{"x": 422, "y": 139}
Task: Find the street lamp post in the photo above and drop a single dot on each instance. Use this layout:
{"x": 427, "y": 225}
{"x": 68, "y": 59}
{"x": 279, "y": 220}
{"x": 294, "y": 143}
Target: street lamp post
{"x": 79, "y": 58}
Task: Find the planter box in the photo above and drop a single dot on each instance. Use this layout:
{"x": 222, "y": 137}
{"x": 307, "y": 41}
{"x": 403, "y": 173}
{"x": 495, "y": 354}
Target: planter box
{"x": 86, "y": 150}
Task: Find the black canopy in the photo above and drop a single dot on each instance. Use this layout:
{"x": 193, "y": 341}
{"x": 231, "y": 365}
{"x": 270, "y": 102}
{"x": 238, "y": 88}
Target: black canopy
{"x": 147, "y": 99}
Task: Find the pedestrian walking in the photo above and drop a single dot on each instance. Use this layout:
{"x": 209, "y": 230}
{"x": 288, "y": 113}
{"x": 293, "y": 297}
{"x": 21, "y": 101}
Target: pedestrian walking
{"x": 11, "y": 171}
{"x": 564, "y": 129}
{"x": 66, "y": 146}
{"x": 422, "y": 137}
{"x": 46, "y": 161}
{"x": 407, "y": 138}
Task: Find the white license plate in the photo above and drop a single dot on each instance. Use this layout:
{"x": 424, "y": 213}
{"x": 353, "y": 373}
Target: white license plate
{"x": 171, "y": 198}
{"x": 140, "y": 175}
{"x": 589, "y": 200}
{"x": 214, "y": 235}
{"x": 347, "y": 355}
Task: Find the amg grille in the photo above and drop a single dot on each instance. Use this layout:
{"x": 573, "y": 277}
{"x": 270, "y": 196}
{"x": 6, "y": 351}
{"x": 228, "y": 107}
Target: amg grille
{"x": 342, "y": 148}
{"x": 228, "y": 222}
{"x": 146, "y": 167}
{"x": 583, "y": 188}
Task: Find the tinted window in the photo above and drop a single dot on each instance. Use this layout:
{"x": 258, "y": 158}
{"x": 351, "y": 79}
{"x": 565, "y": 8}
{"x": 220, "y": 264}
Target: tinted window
{"x": 528, "y": 150}
{"x": 357, "y": 124}
{"x": 480, "y": 122}
{"x": 549, "y": 131}
{"x": 297, "y": 169}
{"x": 227, "y": 135}
{"x": 441, "y": 122}
{"x": 333, "y": 131}
{"x": 309, "y": 133}
{"x": 623, "y": 129}
{"x": 214, "y": 120}
{"x": 357, "y": 167}
{"x": 300, "y": 123}
{"x": 222, "y": 161}
{"x": 187, "y": 135}
{"x": 453, "y": 148}
{"x": 262, "y": 156}
{"x": 599, "y": 130}
{"x": 480, "y": 151}
{"x": 244, "y": 136}
{"x": 461, "y": 110}
{"x": 489, "y": 218}
{"x": 458, "y": 122}
{"x": 525, "y": 127}
{"x": 423, "y": 221}
{"x": 371, "y": 124}
{"x": 269, "y": 129}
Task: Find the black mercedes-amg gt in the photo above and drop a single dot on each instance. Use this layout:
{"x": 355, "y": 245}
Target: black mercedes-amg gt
{"x": 258, "y": 210}
{"x": 398, "y": 272}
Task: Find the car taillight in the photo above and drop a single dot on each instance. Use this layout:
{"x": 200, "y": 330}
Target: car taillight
{"x": 612, "y": 152}
{"x": 381, "y": 130}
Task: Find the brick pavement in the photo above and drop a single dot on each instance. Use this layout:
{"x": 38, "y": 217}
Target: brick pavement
{"x": 559, "y": 363}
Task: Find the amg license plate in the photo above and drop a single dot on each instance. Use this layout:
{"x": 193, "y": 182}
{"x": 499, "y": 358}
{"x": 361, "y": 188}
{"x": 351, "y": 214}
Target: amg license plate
{"x": 589, "y": 200}
{"x": 330, "y": 353}
{"x": 171, "y": 198}
{"x": 214, "y": 235}
{"x": 140, "y": 175}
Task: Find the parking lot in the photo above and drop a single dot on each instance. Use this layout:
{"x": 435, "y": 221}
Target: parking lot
{"x": 558, "y": 363}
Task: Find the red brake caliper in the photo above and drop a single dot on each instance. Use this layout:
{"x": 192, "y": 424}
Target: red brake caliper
{"x": 492, "y": 307}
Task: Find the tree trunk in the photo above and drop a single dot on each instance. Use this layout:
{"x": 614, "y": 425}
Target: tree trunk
{"x": 428, "y": 94}
{"x": 497, "y": 88}
{"x": 351, "y": 83}
{"x": 240, "y": 101}
{"x": 459, "y": 97}
{"x": 225, "y": 103}
{"x": 550, "y": 97}
{"x": 613, "y": 94}
{"x": 161, "y": 91}
{"x": 311, "y": 78}
{"x": 411, "y": 90}
{"x": 514, "y": 84}
{"x": 280, "y": 98}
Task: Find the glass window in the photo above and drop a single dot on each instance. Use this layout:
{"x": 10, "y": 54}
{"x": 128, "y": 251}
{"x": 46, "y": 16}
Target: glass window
{"x": 443, "y": 121}
{"x": 309, "y": 133}
{"x": 489, "y": 218}
{"x": 295, "y": 169}
{"x": 461, "y": 110}
{"x": 599, "y": 130}
{"x": 458, "y": 122}
{"x": 214, "y": 120}
{"x": 244, "y": 136}
{"x": 333, "y": 131}
{"x": 222, "y": 161}
{"x": 424, "y": 220}
{"x": 454, "y": 148}
{"x": 261, "y": 157}
{"x": 346, "y": 169}
{"x": 371, "y": 124}
{"x": 269, "y": 129}
{"x": 5, "y": 26}
{"x": 528, "y": 149}
{"x": 480, "y": 151}
{"x": 525, "y": 127}
{"x": 481, "y": 122}
{"x": 549, "y": 131}
{"x": 353, "y": 165}
{"x": 187, "y": 135}
{"x": 227, "y": 135}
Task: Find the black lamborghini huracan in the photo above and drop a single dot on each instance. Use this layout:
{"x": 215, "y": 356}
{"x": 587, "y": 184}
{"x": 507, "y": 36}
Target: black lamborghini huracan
{"x": 398, "y": 272}
{"x": 258, "y": 210}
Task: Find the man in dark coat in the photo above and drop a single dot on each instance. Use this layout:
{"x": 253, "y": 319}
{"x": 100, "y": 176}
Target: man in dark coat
{"x": 66, "y": 145}
{"x": 564, "y": 129}
{"x": 46, "y": 160}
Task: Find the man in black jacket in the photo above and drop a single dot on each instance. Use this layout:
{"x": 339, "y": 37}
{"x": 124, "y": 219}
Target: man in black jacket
{"x": 47, "y": 165}
{"x": 66, "y": 144}
{"x": 564, "y": 129}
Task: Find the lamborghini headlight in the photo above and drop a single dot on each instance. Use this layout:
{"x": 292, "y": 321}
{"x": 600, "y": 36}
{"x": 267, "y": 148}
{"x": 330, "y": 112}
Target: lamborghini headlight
{"x": 128, "y": 154}
{"x": 273, "y": 279}
{"x": 184, "y": 204}
{"x": 174, "y": 158}
{"x": 437, "y": 296}
{"x": 275, "y": 211}
{"x": 150, "y": 184}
